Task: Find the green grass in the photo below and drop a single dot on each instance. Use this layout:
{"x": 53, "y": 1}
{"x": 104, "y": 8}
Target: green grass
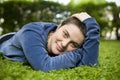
{"x": 109, "y": 68}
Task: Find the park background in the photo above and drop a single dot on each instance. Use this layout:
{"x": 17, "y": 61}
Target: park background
{"x": 16, "y": 13}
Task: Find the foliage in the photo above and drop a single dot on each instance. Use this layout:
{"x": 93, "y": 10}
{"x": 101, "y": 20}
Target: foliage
{"x": 18, "y": 13}
{"x": 107, "y": 70}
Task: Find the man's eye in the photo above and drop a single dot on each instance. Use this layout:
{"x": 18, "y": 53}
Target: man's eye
{"x": 65, "y": 34}
{"x": 74, "y": 45}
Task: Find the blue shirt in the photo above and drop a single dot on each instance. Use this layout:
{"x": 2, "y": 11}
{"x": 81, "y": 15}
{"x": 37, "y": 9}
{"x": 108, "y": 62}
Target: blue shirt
{"x": 29, "y": 45}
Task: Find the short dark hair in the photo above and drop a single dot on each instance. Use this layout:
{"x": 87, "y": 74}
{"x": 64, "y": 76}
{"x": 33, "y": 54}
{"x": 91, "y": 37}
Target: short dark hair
{"x": 75, "y": 21}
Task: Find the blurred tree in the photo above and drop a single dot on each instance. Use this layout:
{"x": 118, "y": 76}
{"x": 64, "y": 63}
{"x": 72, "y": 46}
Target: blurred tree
{"x": 17, "y": 13}
{"x": 111, "y": 14}
{"x": 116, "y": 19}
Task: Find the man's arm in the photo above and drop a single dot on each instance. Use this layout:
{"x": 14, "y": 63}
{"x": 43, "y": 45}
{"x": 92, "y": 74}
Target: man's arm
{"x": 90, "y": 48}
{"x": 39, "y": 59}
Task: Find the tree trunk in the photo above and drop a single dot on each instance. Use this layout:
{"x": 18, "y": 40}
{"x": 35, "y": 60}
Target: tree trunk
{"x": 117, "y": 34}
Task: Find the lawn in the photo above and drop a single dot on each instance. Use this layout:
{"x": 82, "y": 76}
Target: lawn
{"x": 109, "y": 68}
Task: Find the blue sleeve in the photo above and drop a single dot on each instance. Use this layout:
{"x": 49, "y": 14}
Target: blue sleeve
{"x": 39, "y": 59}
{"x": 90, "y": 49}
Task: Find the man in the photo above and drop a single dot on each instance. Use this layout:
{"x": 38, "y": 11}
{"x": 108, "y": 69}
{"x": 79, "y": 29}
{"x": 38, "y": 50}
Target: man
{"x": 46, "y": 46}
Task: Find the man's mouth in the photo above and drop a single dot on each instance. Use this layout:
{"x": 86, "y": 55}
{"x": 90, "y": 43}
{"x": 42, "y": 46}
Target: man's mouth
{"x": 59, "y": 48}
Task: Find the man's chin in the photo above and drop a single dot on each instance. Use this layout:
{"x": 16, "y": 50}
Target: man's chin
{"x": 52, "y": 54}
{"x": 56, "y": 53}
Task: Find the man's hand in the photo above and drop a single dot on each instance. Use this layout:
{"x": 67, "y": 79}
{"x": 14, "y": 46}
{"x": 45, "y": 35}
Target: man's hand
{"x": 82, "y": 16}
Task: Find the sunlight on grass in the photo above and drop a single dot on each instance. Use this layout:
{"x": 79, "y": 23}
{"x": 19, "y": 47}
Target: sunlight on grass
{"x": 107, "y": 70}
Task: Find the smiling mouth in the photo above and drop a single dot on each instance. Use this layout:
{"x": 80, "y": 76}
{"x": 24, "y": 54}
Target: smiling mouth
{"x": 59, "y": 48}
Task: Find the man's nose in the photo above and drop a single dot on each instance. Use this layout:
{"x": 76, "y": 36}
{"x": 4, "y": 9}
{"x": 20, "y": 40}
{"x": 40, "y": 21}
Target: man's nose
{"x": 65, "y": 42}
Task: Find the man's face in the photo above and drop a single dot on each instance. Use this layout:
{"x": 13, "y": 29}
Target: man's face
{"x": 66, "y": 38}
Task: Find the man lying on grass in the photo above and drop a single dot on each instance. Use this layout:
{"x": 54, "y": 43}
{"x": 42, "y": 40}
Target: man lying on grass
{"x": 48, "y": 46}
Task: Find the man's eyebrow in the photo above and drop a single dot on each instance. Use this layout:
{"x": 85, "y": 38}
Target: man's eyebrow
{"x": 67, "y": 33}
